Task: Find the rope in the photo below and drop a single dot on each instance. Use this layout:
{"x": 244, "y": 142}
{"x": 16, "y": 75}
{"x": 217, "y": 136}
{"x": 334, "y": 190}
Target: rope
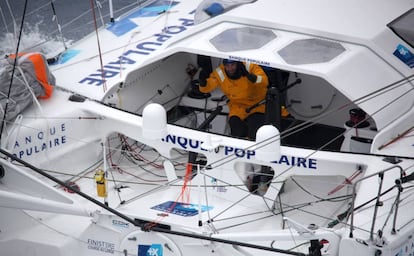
{"x": 55, "y": 17}
{"x": 309, "y": 123}
{"x": 99, "y": 45}
{"x": 14, "y": 68}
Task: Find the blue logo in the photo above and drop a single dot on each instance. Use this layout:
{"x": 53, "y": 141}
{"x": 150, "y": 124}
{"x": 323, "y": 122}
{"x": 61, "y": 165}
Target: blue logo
{"x": 150, "y": 250}
{"x": 125, "y": 24}
{"x": 64, "y": 56}
{"x": 404, "y": 54}
{"x": 181, "y": 209}
{"x": 129, "y": 57}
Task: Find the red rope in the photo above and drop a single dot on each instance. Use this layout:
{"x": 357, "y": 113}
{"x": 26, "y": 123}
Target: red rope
{"x": 184, "y": 197}
{"x": 347, "y": 181}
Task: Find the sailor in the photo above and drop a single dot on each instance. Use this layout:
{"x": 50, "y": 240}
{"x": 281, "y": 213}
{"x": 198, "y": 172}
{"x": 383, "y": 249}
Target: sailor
{"x": 244, "y": 84}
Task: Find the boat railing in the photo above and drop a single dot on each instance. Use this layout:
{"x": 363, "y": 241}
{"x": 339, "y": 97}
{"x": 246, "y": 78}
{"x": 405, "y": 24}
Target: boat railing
{"x": 378, "y": 202}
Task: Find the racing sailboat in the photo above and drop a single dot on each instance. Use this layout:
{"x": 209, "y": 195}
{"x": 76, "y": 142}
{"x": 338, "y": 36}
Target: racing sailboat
{"x": 126, "y": 157}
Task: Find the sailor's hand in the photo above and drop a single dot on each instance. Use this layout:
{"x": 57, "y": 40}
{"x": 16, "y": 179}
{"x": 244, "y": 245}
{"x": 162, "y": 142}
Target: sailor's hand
{"x": 202, "y": 77}
{"x": 243, "y": 70}
{"x": 252, "y": 77}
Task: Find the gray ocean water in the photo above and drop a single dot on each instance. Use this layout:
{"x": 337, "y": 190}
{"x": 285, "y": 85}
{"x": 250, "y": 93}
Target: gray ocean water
{"x": 40, "y": 26}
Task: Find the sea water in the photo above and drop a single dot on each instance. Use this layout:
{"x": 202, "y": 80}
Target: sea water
{"x": 40, "y": 28}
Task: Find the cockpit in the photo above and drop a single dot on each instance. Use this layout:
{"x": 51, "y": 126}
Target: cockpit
{"x": 307, "y": 110}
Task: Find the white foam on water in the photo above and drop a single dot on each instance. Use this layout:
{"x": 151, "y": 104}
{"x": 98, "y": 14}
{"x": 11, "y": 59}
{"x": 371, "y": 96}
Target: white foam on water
{"x": 32, "y": 40}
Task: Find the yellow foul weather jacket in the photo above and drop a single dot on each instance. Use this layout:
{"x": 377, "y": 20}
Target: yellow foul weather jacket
{"x": 241, "y": 92}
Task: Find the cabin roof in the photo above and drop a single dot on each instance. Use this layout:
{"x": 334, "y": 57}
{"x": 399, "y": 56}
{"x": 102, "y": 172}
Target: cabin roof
{"x": 353, "y": 47}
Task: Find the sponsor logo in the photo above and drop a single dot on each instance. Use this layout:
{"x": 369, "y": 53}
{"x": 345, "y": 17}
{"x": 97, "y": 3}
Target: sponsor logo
{"x": 191, "y": 144}
{"x": 150, "y": 250}
{"x": 181, "y": 209}
{"x": 40, "y": 141}
{"x": 121, "y": 224}
{"x": 405, "y": 55}
{"x": 102, "y": 246}
{"x": 129, "y": 57}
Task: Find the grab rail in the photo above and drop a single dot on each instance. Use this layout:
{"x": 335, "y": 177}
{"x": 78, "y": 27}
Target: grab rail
{"x": 378, "y": 202}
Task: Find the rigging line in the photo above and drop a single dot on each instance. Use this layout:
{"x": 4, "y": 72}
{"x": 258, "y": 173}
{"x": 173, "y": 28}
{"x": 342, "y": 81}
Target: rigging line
{"x": 361, "y": 100}
{"x": 13, "y": 20}
{"x": 99, "y": 7}
{"x": 96, "y": 55}
{"x": 89, "y": 178}
{"x": 145, "y": 170}
{"x": 63, "y": 184}
{"x": 113, "y": 49}
{"x": 210, "y": 223}
{"x": 65, "y": 118}
{"x": 132, "y": 153}
{"x": 390, "y": 212}
{"x": 252, "y": 214}
{"x": 34, "y": 11}
{"x": 138, "y": 177}
{"x": 14, "y": 69}
{"x": 92, "y": 178}
{"x": 341, "y": 198}
{"x": 158, "y": 92}
{"x": 135, "y": 158}
{"x": 111, "y": 171}
{"x": 4, "y": 21}
{"x": 227, "y": 157}
{"x": 82, "y": 174}
{"x": 365, "y": 98}
{"x": 231, "y": 205}
{"x": 244, "y": 222}
{"x": 403, "y": 225}
{"x": 296, "y": 207}
{"x": 309, "y": 123}
{"x": 153, "y": 190}
{"x": 55, "y": 17}
{"x": 99, "y": 46}
{"x": 140, "y": 4}
{"x": 41, "y": 222}
{"x": 398, "y": 137}
{"x": 129, "y": 41}
{"x": 167, "y": 12}
{"x": 241, "y": 186}
{"x": 76, "y": 18}
{"x": 292, "y": 206}
{"x": 135, "y": 33}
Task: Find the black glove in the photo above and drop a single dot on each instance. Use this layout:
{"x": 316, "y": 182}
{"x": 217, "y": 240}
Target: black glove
{"x": 252, "y": 77}
{"x": 243, "y": 70}
{"x": 202, "y": 77}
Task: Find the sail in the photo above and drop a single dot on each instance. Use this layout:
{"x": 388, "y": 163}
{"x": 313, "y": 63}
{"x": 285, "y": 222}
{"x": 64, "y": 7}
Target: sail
{"x": 32, "y": 78}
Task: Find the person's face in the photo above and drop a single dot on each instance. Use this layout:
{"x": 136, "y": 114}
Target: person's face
{"x": 231, "y": 68}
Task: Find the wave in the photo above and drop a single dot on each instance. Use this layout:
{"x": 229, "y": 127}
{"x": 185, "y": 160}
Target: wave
{"x": 33, "y": 40}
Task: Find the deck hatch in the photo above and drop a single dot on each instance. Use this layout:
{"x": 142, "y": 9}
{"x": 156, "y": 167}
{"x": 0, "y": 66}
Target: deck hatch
{"x": 241, "y": 39}
{"x": 403, "y": 26}
{"x": 309, "y": 51}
